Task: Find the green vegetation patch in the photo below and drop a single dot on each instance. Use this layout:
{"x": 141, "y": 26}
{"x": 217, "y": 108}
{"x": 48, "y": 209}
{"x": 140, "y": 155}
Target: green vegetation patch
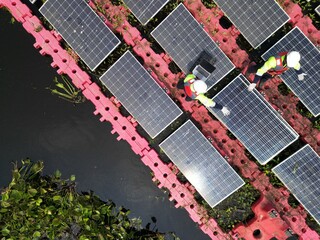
{"x": 235, "y": 209}
{"x": 48, "y": 207}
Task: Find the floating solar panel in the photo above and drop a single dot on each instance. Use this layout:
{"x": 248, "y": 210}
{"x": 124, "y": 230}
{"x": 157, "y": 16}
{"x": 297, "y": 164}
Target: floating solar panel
{"x": 201, "y": 164}
{"x": 145, "y": 10}
{"x": 256, "y": 20}
{"x": 82, "y": 29}
{"x": 300, "y": 173}
{"x": 253, "y": 121}
{"x": 140, "y": 94}
{"x": 308, "y": 90}
{"x": 184, "y": 39}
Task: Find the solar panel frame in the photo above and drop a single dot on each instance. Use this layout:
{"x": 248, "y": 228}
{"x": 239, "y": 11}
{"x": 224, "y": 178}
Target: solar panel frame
{"x": 254, "y": 23}
{"x": 296, "y": 173}
{"x": 70, "y": 14}
{"x": 317, "y": 10}
{"x": 135, "y": 6}
{"x": 307, "y": 89}
{"x": 212, "y": 176}
{"x": 140, "y": 94}
{"x": 177, "y": 43}
{"x": 245, "y": 106}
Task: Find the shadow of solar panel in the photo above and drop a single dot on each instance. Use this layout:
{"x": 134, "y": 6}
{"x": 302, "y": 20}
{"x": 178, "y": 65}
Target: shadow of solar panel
{"x": 82, "y": 29}
{"x": 201, "y": 164}
{"x": 140, "y": 94}
{"x": 256, "y": 20}
{"x": 253, "y": 121}
{"x": 145, "y": 10}
{"x": 300, "y": 173}
{"x": 308, "y": 90}
{"x": 183, "y": 38}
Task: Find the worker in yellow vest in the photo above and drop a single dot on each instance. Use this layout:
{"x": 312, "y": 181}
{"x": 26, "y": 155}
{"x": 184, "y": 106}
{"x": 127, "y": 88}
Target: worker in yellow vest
{"x": 195, "y": 90}
{"x": 277, "y": 65}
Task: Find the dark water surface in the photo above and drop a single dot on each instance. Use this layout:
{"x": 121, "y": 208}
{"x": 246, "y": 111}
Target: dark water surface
{"x": 41, "y": 126}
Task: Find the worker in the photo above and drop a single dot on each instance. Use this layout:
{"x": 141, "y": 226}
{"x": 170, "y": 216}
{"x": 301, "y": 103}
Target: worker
{"x": 277, "y": 65}
{"x": 195, "y": 89}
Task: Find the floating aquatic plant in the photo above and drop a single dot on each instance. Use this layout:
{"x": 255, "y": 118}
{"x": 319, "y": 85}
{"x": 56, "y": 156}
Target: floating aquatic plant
{"x": 65, "y": 90}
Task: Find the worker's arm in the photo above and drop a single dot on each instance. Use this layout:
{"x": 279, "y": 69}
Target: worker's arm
{"x": 271, "y": 63}
{"x": 208, "y": 102}
{"x": 189, "y": 77}
{"x": 298, "y": 69}
{"x": 299, "y": 72}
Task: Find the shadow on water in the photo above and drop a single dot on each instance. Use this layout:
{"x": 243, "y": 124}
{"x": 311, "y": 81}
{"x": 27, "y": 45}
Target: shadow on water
{"x": 41, "y": 126}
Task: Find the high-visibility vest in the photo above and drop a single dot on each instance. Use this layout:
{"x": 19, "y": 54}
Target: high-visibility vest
{"x": 279, "y": 68}
{"x": 187, "y": 89}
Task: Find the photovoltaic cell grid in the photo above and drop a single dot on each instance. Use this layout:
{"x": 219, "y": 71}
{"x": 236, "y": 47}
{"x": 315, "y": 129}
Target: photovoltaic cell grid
{"x": 82, "y": 29}
{"x": 256, "y": 20}
{"x": 201, "y": 164}
{"x": 140, "y": 94}
{"x": 300, "y": 173}
{"x": 183, "y": 38}
{"x": 145, "y": 10}
{"x": 253, "y": 121}
{"x": 308, "y": 90}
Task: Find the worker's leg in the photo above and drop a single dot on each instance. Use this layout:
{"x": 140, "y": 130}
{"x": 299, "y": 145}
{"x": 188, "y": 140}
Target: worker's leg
{"x": 188, "y": 99}
{"x": 252, "y": 68}
{"x": 180, "y": 84}
{"x": 265, "y": 77}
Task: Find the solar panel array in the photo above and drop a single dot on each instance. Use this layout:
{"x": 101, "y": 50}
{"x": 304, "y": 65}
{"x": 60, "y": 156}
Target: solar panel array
{"x": 183, "y": 38}
{"x": 140, "y": 94}
{"x": 82, "y": 29}
{"x": 253, "y": 121}
{"x": 256, "y": 20}
{"x": 308, "y": 90}
{"x": 300, "y": 173}
{"x": 201, "y": 164}
{"x": 145, "y": 10}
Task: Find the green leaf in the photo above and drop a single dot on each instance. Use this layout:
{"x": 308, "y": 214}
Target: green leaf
{"x": 72, "y": 178}
{"x": 32, "y": 191}
{"x": 83, "y": 238}
{"x": 5, "y": 204}
{"x": 70, "y": 197}
{"x": 57, "y": 174}
{"x": 5, "y": 231}
{"x": 16, "y": 175}
{"x": 56, "y": 198}
{"x": 36, "y": 234}
{"x": 43, "y": 191}
{"x": 5, "y": 196}
{"x": 38, "y": 201}
{"x": 56, "y": 222}
{"x": 16, "y": 195}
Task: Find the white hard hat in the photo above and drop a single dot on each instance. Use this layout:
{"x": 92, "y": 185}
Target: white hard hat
{"x": 293, "y": 58}
{"x": 200, "y": 86}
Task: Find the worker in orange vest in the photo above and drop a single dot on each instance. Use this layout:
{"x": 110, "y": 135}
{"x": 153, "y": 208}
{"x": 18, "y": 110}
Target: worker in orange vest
{"x": 277, "y": 65}
{"x": 195, "y": 90}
